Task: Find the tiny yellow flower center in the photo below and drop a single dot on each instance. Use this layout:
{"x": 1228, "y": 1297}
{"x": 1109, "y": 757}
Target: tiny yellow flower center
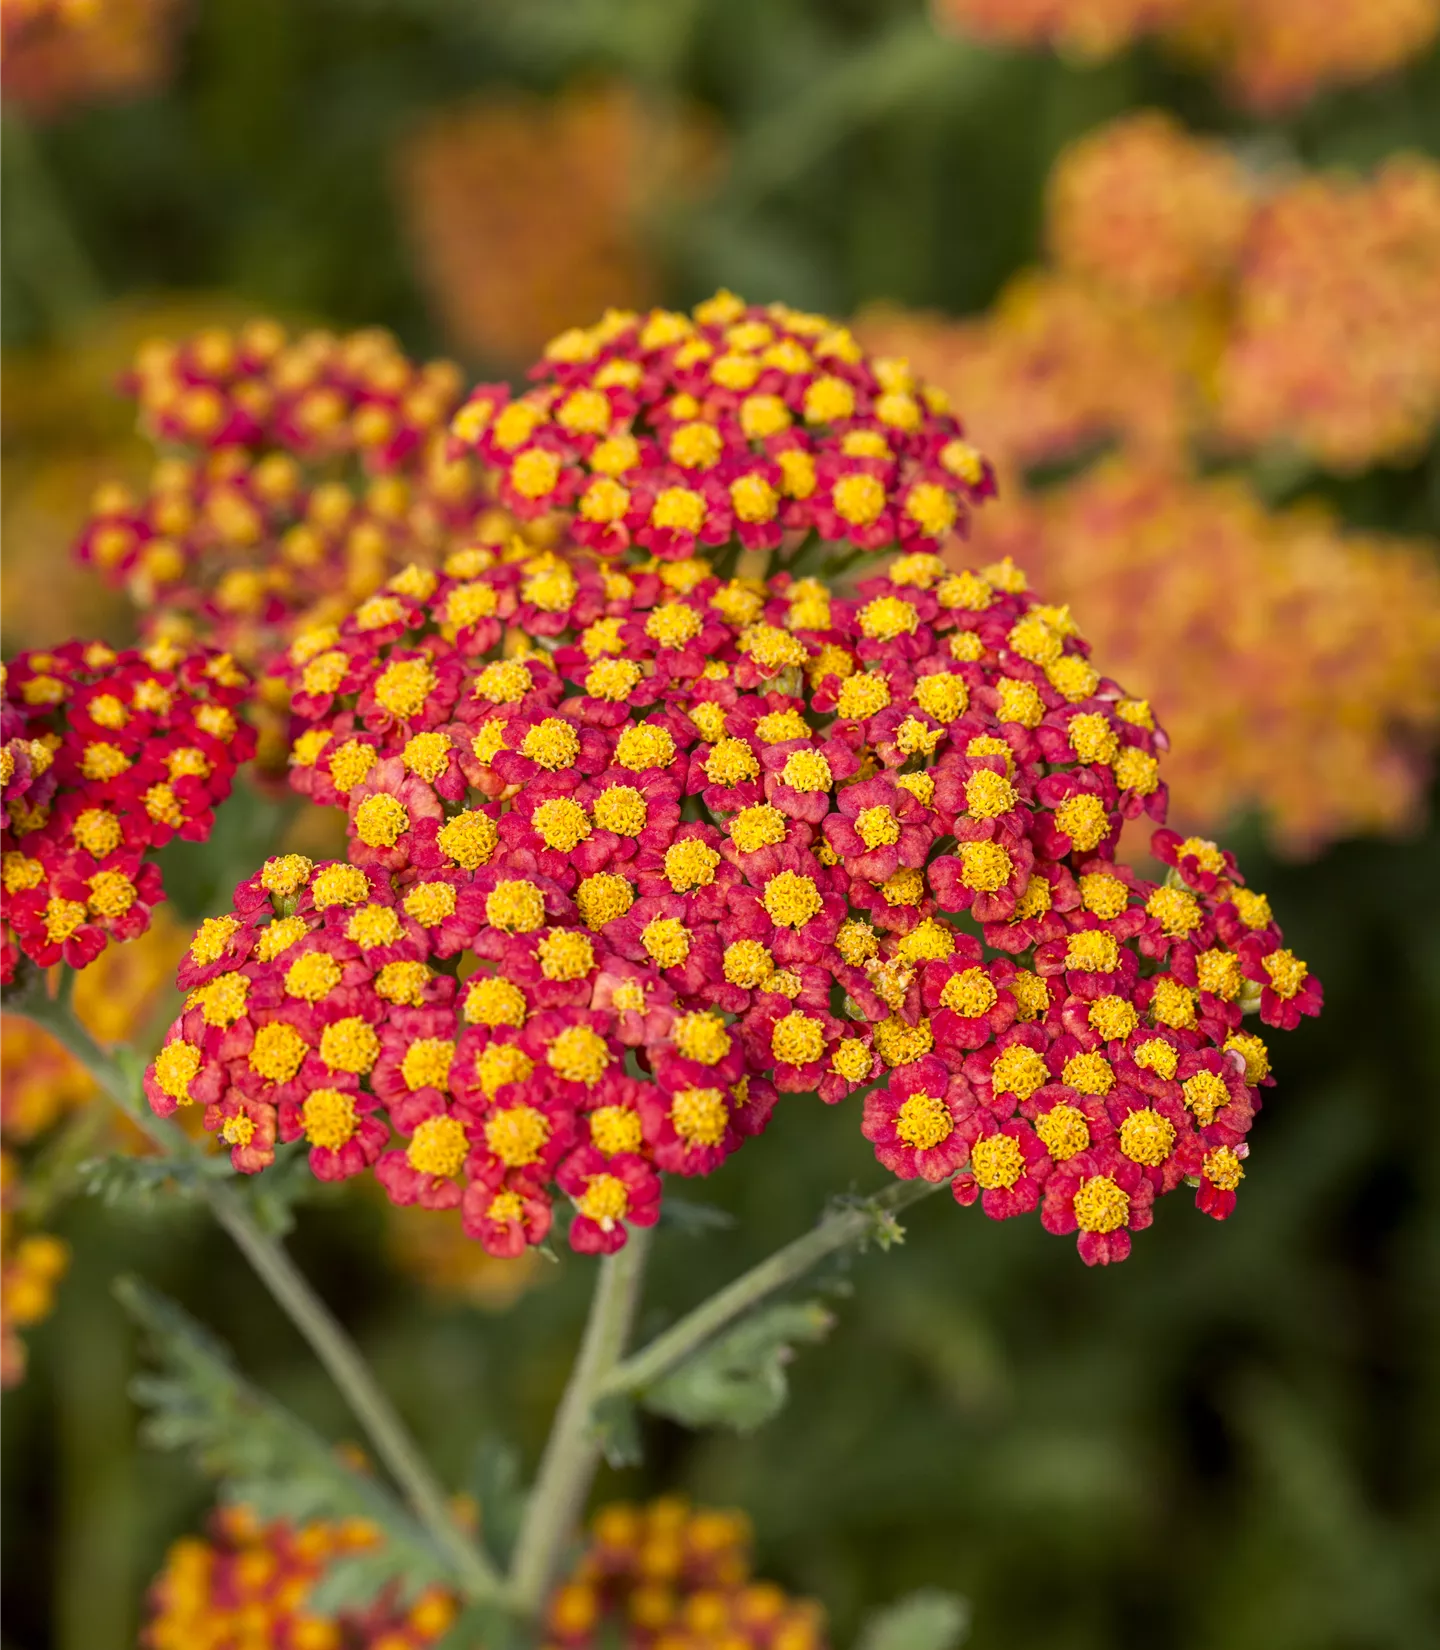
{"x": 517, "y": 1135}
{"x": 603, "y": 897}
{"x": 1063, "y": 1132}
{"x": 1147, "y": 1137}
{"x": 278, "y": 1052}
{"x": 350, "y": 1045}
{"x": 700, "y": 1116}
{"x": 797, "y": 1039}
{"x": 1019, "y": 1071}
{"x": 1100, "y": 1205}
{"x": 328, "y": 1118}
{"x": 439, "y": 1146}
{"x": 924, "y": 1121}
{"x": 427, "y": 1064}
{"x": 969, "y": 993}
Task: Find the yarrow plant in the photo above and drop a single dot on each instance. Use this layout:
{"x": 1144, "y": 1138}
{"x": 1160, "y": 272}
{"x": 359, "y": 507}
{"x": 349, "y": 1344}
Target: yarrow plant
{"x": 723, "y": 783}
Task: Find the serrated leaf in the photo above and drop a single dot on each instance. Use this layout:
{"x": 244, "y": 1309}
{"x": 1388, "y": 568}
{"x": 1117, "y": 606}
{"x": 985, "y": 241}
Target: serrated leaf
{"x": 352, "y": 1583}
{"x": 927, "y": 1620}
{"x": 266, "y": 1457}
{"x": 616, "y": 1426}
{"x": 500, "y": 1494}
{"x": 739, "y": 1379}
{"x": 122, "y": 1181}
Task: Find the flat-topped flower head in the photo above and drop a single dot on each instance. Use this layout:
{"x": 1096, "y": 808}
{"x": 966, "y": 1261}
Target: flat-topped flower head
{"x": 671, "y": 432}
{"x": 640, "y": 839}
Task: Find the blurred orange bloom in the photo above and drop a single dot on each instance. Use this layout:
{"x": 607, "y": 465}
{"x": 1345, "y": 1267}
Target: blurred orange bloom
{"x": 1295, "y": 666}
{"x": 1271, "y": 54}
{"x": 526, "y": 212}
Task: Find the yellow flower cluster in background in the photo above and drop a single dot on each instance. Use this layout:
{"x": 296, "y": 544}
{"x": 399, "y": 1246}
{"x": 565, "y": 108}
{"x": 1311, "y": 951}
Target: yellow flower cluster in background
{"x": 1270, "y": 54}
{"x": 1190, "y": 312}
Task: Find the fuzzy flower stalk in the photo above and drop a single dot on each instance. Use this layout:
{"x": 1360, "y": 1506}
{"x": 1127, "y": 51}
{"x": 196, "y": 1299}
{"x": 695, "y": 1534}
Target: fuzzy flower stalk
{"x": 643, "y": 842}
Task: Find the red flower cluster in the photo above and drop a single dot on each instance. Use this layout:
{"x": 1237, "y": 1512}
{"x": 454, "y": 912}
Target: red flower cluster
{"x": 663, "y": 1573}
{"x": 249, "y": 1583}
{"x": 106, "y": 755}
{"x": 669, "y": 431}
{"x": 672, "y": 830}
{"x": 317, "y": 396}
{"x": 635, "y": 847}
{"x": 255, "y": 533}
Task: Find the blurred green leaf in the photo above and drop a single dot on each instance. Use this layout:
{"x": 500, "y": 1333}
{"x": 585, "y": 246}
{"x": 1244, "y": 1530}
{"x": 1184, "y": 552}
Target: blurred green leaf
{"x": 739, "y": 1379}
{"x": 928, "y": 1620}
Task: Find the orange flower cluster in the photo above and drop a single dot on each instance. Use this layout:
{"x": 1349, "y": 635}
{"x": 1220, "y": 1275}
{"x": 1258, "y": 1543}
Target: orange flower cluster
{"x": 661, "y": 1575}
{"x": 1335, "y": 345}
{"x": 1147, "y": 211}
{"x": 1297, "y": 667}
{"x": 58, "y": 53}
{"x": 1187, "y": 305}
{"x": 1186, "y": 314}
{"x": 563, "y": 185}
{"x": 1271, "y": 54}
{"x": 247, "y": 1585}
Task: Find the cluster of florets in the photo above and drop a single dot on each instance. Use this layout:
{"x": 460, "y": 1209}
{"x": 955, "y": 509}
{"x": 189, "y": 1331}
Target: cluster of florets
{"x": 672, "y": 432}
{"x": 255, "y": 534}
{"x": 738, "y": 837}
{"x": 318, "y": 396}
{"x": 106, "y": 755}
{"x": 249, "y": 1583}
{"x": 1335, "y": 344}
{"x": 663, "y": 1574}
{"x": 1272, "y": 54}
{"x": 668, "y": 1576}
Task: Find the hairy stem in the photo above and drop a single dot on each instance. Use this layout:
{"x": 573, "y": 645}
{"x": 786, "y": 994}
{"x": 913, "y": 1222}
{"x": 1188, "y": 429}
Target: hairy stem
{"x": 836, "y": 1231}
{"x": 572, "y": 1452}
{"x": 321, "y": 1329}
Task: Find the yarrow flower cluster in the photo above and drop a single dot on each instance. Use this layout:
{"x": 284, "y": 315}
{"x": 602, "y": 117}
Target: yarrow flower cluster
{"x": 249, "y": 1582}
{"x": 672, "y": 432}
{"x": 1335, "y": 345}
{"x": 635, "y": 849}
{"x": 1271, "y": 54}
{"x": 665, "y": 1573}
{"x": 106, "y": 756}
{"x": 317, "y": 466}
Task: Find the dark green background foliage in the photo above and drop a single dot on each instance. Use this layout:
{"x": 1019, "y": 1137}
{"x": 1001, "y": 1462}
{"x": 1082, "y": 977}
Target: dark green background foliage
{"x": 1229, "y": 1443}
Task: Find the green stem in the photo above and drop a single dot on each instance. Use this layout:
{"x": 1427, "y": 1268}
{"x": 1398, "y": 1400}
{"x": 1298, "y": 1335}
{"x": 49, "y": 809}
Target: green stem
{"x": 273, "y": 1265}
{"x": 572, "y": 1452}
{"x": 836, "y": 1231}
